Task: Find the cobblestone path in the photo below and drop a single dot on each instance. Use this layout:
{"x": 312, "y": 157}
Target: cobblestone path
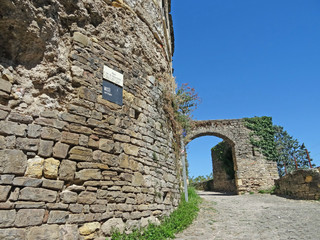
{"x": 254, "y": 217}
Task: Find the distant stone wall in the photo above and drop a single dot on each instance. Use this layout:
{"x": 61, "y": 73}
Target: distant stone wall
{"x": 72, "y": 164}
{"x": 301, "y": 184}
{"x": 221, "y": 180}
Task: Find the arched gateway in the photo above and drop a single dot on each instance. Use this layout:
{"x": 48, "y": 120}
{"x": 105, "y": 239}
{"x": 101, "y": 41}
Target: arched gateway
{"x": 253, "y": 172}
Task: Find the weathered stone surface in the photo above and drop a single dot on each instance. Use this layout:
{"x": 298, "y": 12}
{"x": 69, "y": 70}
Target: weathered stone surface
{"x": 121, "y": 138}
{"x": 87, "y": 198}
{"x": 81, "y": 154}
{"x": 5, "y": 85}
{"x": 60, "y": 150}
{"x": 70, "y": 138}
{"x": 58, "y": 217}
{"x": 34, "y": 130}
{"x": 87, "y": 94}
{"x": 79, "y": 37}
{"x": 27, "y": 144}
{"x": 50, "y": 133}
{"x": 12, "y": 234}
{"x": 17, "y": 117}
{"x": 12, "y": 128}
{"x": 113, "y": 224}
{"x": 6, "y": 179}
{"x": 28, "y": 205}
{"x": 79, "y": 129}
{"x": 130, "y": 149}
{"x": 3, "y": 114}
{"x": 106, "y": 145}
{"x": 76, "y": 208}
{"x": 44, "y": 232}
{"x": 13, "y": 161}
{"x": 29, "y": 217}
{"x": 82, "y": 111}
{"x": 68, "y": 196}
{"x": 138, "y": 179}
{"x": 51, "y": 123}
{"x": 53, "y": 184}
{"x": 37, "y": 194}
{"x": 67, "y": 170}
{"x": 88, "y": 174}
{"x": 27, "y": 182}
{"x": 50, "y": 168}
{"x": 35, "y": 167}
{"x": 4, "y": 191}
{"x": 89, "y": 228}
{"x": 73, "y": 118}
{"x": 45, "y": 148}
{"x": 7, "y": 218}
{"x": 69, "y": 232}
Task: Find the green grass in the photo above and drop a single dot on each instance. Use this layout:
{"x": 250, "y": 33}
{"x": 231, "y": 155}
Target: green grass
{"x": 268, "y": 191}
{"x": 179, "y": 219}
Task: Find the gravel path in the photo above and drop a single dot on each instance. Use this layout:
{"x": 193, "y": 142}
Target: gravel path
{"x": 256, "y": 216}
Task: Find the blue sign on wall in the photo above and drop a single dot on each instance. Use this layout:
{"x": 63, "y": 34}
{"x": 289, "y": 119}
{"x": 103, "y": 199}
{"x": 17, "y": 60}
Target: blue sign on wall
{"x": 112, "y": 92}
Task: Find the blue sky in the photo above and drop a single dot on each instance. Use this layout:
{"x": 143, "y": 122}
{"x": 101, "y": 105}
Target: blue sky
{"x": 250, "y": 58}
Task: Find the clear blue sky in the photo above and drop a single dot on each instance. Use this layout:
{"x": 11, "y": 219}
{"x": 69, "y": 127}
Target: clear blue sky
{"x": 250, "y": 58}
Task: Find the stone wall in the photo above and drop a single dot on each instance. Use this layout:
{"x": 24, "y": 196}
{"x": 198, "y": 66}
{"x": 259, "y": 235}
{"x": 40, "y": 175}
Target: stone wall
{"x": 72, "y": 164}
{"x": 301, "y": 184}
{"x": 253, "y": 172}
{"x": 221, "y": 179}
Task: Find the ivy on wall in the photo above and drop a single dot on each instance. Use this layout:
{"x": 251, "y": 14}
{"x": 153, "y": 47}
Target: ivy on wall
{"x": 262, "y": 136}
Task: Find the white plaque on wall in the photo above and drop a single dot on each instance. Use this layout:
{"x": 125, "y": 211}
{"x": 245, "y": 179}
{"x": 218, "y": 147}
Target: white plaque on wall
{"x": 113, "y": 76}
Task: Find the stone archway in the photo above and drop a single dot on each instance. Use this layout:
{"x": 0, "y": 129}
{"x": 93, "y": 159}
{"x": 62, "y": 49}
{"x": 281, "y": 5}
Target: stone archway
{"x": 253, "y": 172}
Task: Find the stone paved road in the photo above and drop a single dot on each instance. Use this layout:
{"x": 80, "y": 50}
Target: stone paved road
{"x": 257, "y": 216}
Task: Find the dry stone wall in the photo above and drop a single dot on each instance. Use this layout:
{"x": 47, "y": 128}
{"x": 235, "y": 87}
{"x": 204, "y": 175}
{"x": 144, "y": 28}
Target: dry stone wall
{"x": 301, "y": 184}
{"x": 72, "y": 164}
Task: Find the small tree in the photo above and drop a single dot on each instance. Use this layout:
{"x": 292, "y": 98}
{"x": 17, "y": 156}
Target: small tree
{"x": 289, "y": 148}
{"x": 185, "y": 102}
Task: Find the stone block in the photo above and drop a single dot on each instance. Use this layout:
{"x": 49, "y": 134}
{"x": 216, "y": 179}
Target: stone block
{"x": 69, "y": 232}
{"x": 88, "y": 94}
{"x": 70, "y": 138}
{"x": 6, "y": 179}
{"x": 58, "y": 217}
{"x": 34, "y": 130}
{"x": 13, "y": 234}
{"x": 13, "y": 161}
{"x": 50, "y": 168}
{"x": 80, "y": 38}
{"x": 29, "y": 205}
{"x": 82, "y": 111}
{"x": 88, "y": 174}
{"x": 87, "y": 198}
{"x": 35, "y": 167}
{"x": 5, "y": 85}
{"x": 67, "y": 170}
{"x": 50, "y": 133}
{"x": 44, "y": 232}
{"x": 37, "y": 194}
{"x": 77, "y": 71}
{"x": 29, "y": 217}
{"x": 45, "y": 148}
{"x": 57, "y": 206}
{"x": 68, "y": 196}
{"x": 51, "y": 123}
{"x": 138, "y": 179}
{"x": 27, "y": 182}
{"x": 7, "y": 218}
{"x": 53, "y": 184}
{"x": 98, "y": 208}
{"x": 89, "y": 228}
{"x": 79, "y": 129}
{"x": 60, "y": 150}
{"x": 3, "y": 114}
{"x": 73, "y": 118}
{"x": 81, "y": 154}
{"x": 4, "y": 192}
{"x": 27, "y": 144}
{"x": 130, "y": 149}
{"x": 20, "y": 118}
{"x": 106, "y": 145}
{"x": 121, "y": 138}
{"x": 2, "y": 142}
{"x": 113, "y": 224}
{"x": 76, "y": 208}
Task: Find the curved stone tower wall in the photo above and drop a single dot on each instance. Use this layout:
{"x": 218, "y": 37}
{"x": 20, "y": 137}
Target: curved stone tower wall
{"x": 72, "y": 164}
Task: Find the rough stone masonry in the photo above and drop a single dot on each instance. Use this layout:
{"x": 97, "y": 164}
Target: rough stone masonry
{"x": 72, "y": 164}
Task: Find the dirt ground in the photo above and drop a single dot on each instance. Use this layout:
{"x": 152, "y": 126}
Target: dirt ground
{"x": 256, "y": 216}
